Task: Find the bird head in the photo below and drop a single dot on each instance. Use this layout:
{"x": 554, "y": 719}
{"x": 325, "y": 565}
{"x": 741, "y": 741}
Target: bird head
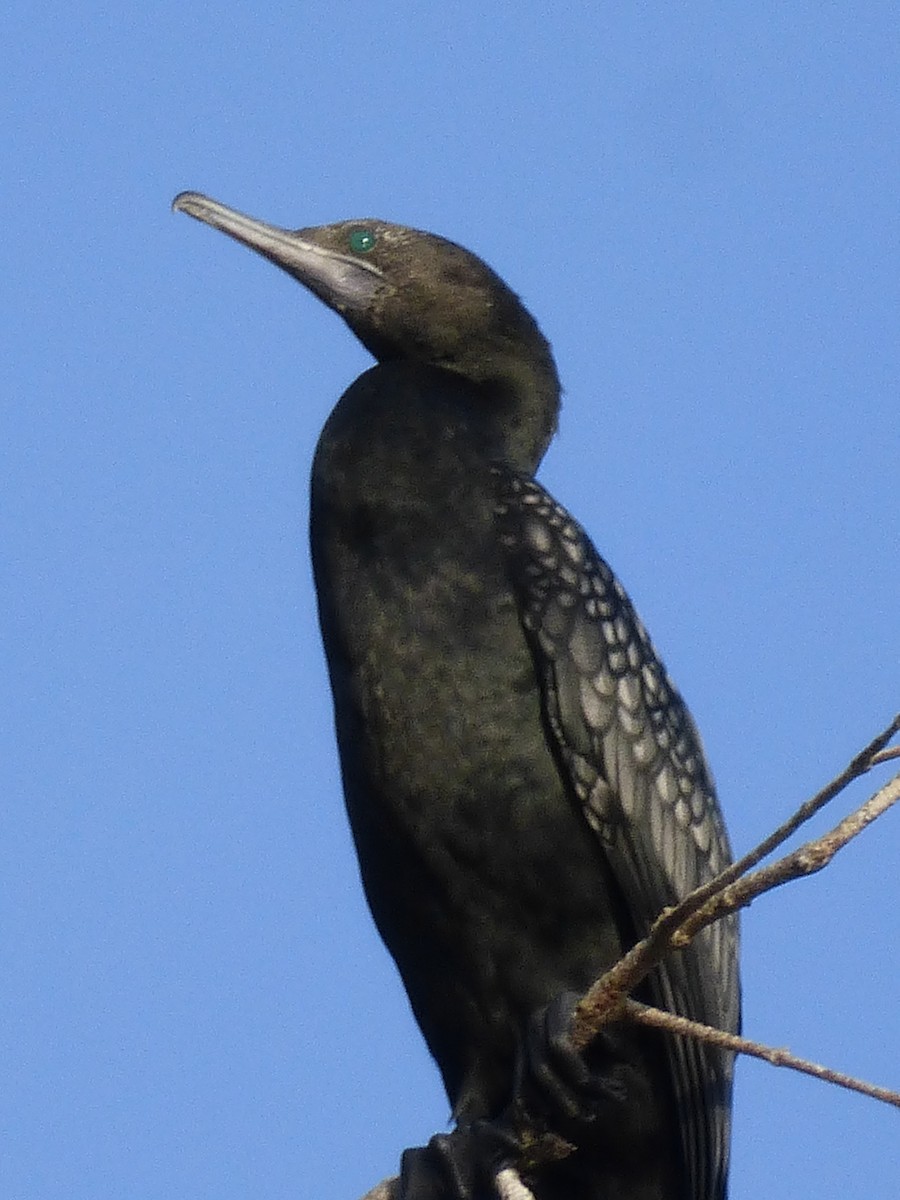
{"x": 407, "y": 294}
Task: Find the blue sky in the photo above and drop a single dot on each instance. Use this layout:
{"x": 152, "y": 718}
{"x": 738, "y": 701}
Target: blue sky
{"x": 699, "y": 203}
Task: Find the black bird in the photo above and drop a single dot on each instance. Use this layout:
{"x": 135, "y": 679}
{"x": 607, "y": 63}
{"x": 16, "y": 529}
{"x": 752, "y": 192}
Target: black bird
{"x": 525, "y": 785}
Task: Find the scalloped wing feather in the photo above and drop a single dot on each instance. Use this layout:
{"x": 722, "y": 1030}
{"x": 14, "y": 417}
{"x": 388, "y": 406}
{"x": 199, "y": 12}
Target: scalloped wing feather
{"x": 636, "y": 766}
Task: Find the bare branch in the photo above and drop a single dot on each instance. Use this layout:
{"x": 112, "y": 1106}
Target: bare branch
{"x": 644, "y": 1014}
{"x": 886, "y": 755}
{"x": 676, "y": 926}
{"x": 386, "y": 1190}
{"x": 806, "y": 860}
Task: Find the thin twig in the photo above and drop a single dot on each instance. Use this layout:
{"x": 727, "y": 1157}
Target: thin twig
{"x": 809, "y": 858}
{"x": 643, "y": 1014}
{"x": 677, "y": 925}
{"x": 386, "y": 1190}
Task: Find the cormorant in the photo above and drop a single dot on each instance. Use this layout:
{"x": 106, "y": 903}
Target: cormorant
{"x": 526, "y": 788}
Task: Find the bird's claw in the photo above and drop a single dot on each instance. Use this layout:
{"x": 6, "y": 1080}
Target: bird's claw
{"x": 462, "y": 1165}
{"x": 564, "y": 1088}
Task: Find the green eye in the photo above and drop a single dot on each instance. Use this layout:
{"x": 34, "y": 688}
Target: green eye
{"x": 362, "y": 240}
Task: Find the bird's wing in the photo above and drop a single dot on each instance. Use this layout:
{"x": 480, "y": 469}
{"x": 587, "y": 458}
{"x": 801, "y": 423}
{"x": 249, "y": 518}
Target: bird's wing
{"x": 636, "y": 766}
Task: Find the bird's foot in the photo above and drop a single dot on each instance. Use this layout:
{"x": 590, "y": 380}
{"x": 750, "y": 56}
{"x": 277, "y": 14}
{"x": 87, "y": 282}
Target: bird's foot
{"x": 462, "y": 1165}
{"x": 565, "y": 1089}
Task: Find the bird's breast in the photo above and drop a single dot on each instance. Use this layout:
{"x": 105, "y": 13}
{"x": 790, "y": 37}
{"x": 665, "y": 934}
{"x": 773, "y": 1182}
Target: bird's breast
{"x": 445, "y": 757}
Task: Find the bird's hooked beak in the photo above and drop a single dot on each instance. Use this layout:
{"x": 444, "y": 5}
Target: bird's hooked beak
{"x": 342, "y": 281}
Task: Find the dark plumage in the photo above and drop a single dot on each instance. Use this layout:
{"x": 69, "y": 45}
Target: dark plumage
{"x": 526, "y": 788}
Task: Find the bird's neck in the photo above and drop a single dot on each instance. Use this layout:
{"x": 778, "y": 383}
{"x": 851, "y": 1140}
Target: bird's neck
{"x": 523, "y": 397}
